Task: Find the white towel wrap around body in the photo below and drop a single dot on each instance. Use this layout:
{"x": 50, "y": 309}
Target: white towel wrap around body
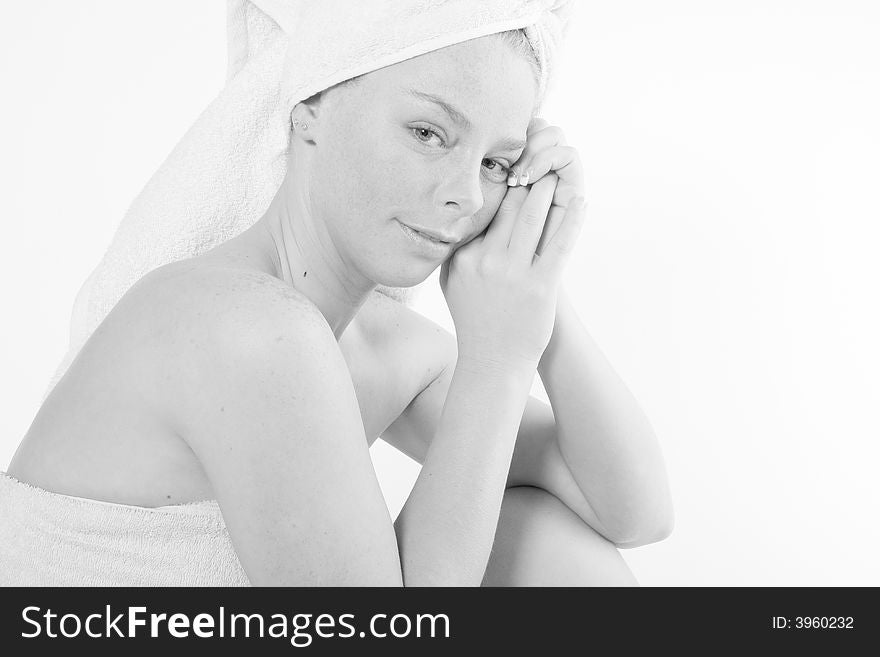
{"x": 50, "y": 539}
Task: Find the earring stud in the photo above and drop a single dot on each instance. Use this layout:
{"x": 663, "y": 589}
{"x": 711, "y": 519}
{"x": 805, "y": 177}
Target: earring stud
{"x": 297, "y": 124}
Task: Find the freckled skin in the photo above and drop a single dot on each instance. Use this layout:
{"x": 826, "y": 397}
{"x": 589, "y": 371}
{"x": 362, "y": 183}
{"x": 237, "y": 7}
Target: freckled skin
{"x": 369, "y": 168}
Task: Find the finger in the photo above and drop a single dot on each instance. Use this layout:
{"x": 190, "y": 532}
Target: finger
{"x": 554, "y": 220}
{"x": 501, "y": 226}
{"x": 458, "y": 256}
{"x": 536, "y": 124}
{"x": 556, "y": 254}
{"x": 530, "y": 220}
{"x": 565, "y": 162}
{"x": 537, "y": 141}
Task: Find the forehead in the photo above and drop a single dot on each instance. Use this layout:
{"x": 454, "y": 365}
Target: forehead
{"x": 484, "y": 78}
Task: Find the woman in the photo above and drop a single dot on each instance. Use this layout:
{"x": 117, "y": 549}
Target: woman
{"x": 255, "y": 376}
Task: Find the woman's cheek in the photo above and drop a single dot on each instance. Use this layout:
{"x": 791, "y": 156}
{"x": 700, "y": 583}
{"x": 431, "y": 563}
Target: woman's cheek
{"x": 493, "y": 195}
{"x": 481, "y": 220}
{"x": 391, "y": 176}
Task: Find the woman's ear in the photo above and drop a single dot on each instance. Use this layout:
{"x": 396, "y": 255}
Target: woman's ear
{"x": 304, "y": 118}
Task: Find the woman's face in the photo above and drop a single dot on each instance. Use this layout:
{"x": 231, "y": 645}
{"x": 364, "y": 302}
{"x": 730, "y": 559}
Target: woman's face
{"x": 426, "y": 142}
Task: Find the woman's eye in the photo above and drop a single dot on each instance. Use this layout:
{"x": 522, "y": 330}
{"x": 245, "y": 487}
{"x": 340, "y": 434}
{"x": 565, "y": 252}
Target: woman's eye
{"x": 496, "y": 170}
{"x": 425, "y": 135}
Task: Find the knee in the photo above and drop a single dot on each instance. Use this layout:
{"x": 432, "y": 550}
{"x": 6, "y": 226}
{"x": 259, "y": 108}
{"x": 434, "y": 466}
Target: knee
{"x": 533, "y": 504}
{"x": 539, "y": 516}
{"x": 541, "y": 542}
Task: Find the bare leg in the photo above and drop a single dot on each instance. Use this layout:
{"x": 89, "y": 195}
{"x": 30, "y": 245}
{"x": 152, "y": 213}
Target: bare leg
{"x": 541, "y": 542}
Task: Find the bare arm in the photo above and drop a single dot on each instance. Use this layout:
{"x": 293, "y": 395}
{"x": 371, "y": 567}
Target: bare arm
{"x": 447, "y": 526}
{"x": 537, "y": 458}
{"x": 276, "y": 426}
{"x": 604, "y": 437}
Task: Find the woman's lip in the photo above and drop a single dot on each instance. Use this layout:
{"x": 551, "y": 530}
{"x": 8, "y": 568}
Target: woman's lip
{"x": 432, "y": 234}
{"x": 427, "y": 245}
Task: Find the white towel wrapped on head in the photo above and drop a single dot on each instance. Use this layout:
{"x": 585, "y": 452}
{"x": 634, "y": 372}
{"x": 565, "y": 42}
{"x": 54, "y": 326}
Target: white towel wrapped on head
{"x": 224, "y": 172}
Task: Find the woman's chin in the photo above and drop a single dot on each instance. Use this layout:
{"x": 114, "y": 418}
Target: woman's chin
{"x": 400, "y": 294}
{"x": 404, "y": 285}
{"x": 407, "y": 276}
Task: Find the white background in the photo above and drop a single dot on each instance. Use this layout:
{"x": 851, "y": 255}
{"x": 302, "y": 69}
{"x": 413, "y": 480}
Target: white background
{"x": 728, "y": 269}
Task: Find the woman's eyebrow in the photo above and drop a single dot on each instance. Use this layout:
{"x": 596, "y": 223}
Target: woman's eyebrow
{"x": 459, "y": 117}
{"x": 453, "y": 113}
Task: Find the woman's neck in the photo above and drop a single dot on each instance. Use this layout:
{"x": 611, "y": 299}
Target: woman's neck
{"x": 305, "y": 256}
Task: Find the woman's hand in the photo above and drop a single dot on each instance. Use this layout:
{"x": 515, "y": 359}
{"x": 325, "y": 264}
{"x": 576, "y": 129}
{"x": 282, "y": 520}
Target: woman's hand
{"x": 502, "y": 286}
{"x": 546, "y": 151}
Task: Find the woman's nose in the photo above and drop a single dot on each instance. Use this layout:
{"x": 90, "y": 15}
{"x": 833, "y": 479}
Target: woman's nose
{"x": 461, "y": 191}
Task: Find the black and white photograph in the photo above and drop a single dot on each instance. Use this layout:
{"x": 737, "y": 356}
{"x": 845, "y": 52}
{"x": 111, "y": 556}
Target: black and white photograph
{"x": 440, "y": 293}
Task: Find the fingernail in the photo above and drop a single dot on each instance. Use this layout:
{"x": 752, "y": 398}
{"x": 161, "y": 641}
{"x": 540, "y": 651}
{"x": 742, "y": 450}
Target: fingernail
{"x": 511, "y": 178}
{"x": 524, "y": 179}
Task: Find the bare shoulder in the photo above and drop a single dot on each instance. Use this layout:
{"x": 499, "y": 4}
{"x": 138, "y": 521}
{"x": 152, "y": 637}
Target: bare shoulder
{"x": 205, "y": 320}
{"x": 206, "y": 293}
{"x": 262, "y": 395}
